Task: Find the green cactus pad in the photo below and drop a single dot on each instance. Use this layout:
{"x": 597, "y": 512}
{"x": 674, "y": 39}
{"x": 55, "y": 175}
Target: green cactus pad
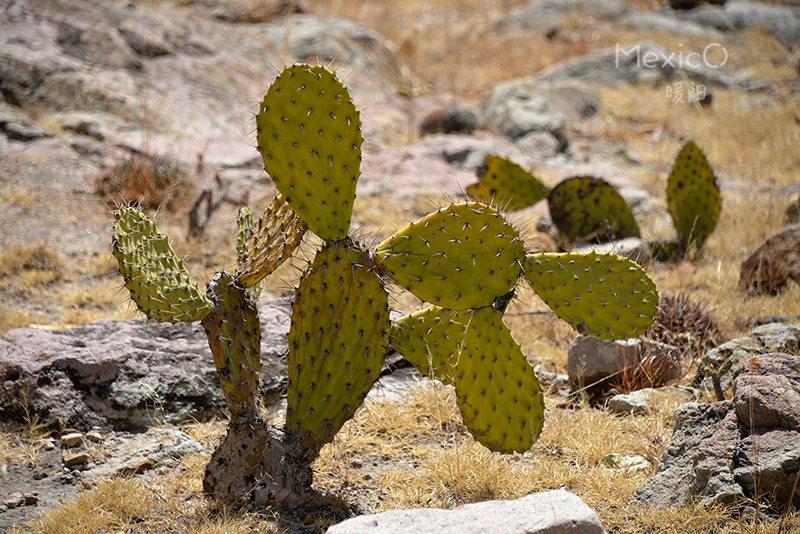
{"x": 278, "y": 233}
{"x": 234, "y": 336}
{"x": 431, "y": 340}
{"x": 156, "y": 278}
{"x": 460, "y": 257}
{"x": 585, "y": 208}
{"x": 337, "y": 341}
{"x": 498, "y": 393}
{"x": 507, "y": 185}
{"x": 693, "y": 196}
{"x": 309, "y": 134}
{"x": 601, "y": 295}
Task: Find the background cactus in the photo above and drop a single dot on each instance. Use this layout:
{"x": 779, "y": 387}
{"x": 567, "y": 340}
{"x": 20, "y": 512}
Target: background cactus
{"x": 466, "y": 259}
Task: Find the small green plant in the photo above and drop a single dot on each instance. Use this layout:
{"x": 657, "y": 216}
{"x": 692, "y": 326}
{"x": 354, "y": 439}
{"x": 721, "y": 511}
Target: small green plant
{"x": 584, "y": 208}
{"x": 465, "y": 260}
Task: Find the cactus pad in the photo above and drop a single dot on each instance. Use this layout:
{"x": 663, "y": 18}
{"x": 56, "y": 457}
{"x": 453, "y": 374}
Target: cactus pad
{"x": 431, "y": 340}
{"x": 600, "y": 295}
{"x": 459, "y": 257}
{"x": 278, "y": 233}
{"x": 508, "y": 185}
{"x": 159, "y": 283}
{"x": 498, "y": 393}
{"x": 693, "y": 196}
{"x": 337, "y": 341}
{"x": 234, "y": 335}
{"x": 309, "y": 134}
{"x": 585, "y": 208}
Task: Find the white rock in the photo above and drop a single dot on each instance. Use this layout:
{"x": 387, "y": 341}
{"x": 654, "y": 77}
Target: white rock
{"x": 541, "y": 513}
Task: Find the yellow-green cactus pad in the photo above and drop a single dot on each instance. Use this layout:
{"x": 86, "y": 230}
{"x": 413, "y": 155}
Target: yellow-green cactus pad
{"x": 459, "y": 257}
{"x": 601, "y": 295}
{"x": 156, "y": 278}
{"x": 278, "y": 233}
{"x": 337, "y": 341}
{"x": 507, "y": 185}
{"x": 431, "y": 340}
{"x": 309, "y": 135}
{"x": 585, "y": 208}
{"x": 498, "y": 393}
{"x": 693, "y": 196}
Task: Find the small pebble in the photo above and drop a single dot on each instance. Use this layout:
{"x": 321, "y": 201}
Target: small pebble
{"x": 71, "y": 440}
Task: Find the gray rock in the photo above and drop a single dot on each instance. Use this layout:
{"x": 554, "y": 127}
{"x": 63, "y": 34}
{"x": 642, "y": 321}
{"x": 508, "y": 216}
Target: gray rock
{"x": 142, "y": 452}
{"x": 126, "y": 374}
{"x": 541, "y": 513}
{"x": 781, "y": 21}
{"x": 639, "y": 402}
{"x": 769, "y": 459}
{"x": 773, "y": 264}
{"x": 772, "y": 337}
{"x": 17, "y": 126}
{"x": 768, "y": 395}
{"x": 548, "y": 12}
{"x": 633, "y": 248}
{"x": 697, "y": 439}
{"x": 593, "y": 363}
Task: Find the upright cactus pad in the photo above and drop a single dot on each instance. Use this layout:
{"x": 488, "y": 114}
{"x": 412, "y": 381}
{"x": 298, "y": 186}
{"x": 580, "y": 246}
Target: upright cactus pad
{"x": 309, "y": 134}
{"x": 278, "y": 233}
{"x": 585, "y": 208}
{"x": 507, "y": 185}
{"x": 693, "y": 196}
{"x": 600, "y": 295}
{"x": 431, "y": 340}
{"x": 460, "y": 257}
{"x": 234, "y": 335}
{"x": 498, "y": 393}
{"x": 156, "y": 278}
{"x": 337, "y": 341}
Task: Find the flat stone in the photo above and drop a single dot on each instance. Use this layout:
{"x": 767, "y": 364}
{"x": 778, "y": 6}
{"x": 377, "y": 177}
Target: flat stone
{"x": 552, "y": 512}
{"x": 77, "y": 458}
{"x": 72, "y": 439}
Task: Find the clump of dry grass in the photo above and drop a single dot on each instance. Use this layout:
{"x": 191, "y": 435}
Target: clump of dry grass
{"x": 152, "y": 182}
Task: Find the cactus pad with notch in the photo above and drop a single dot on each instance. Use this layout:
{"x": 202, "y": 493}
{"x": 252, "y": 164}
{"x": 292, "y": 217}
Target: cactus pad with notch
{"x": 431, "y": 340}
{"x": 156, "y": 278}
{"x": 309, "y": 135}
{"x": 270, "y": 242}
{"x": 459, "y": 257}
{"x": 337, "y": 341}
{"x": 600, "y": 295}
{"x": 498, "y": 393}
{"x": 507, "y": 185}
{"x": 693, "y": 196}
{"x": 585, "y": 208}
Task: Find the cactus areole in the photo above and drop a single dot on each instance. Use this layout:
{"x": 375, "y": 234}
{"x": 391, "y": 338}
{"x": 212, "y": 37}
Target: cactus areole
{"x": 465, "y": 260}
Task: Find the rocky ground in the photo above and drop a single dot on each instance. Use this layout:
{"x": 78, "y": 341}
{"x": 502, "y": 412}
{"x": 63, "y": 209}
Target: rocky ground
{"x": 90, "y": 87}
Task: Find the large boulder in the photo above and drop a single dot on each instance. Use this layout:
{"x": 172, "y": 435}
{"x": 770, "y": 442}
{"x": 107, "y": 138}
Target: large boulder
{"x": 539, "y": 513}
{"x": 730, "y": 451}
{"x": 782, "y": 21}
{"x": 125, "y": 374}
{"x": 773, "y": 264}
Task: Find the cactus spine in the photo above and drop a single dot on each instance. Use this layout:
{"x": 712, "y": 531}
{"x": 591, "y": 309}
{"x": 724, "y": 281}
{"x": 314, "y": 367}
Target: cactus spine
{"x": 465, "y": 259}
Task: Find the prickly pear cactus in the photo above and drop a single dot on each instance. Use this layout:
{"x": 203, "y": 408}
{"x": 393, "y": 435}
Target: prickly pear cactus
{"x": 498, "y": 393}
{"x": 265, "y": 246}
{"x": 584, "y": 208}
{"x": 460, "y": 257}
{"x": 693, "y": 196}
{"x": 507, "y": 185}
{"x": 337, "y": 341}
{"x": 600, "y": 295}
{"x": 309, "y": 134}
{"x": 156, "y": 278}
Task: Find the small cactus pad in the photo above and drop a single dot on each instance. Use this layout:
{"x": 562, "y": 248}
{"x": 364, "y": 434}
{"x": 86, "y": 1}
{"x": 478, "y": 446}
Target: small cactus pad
{"x": 693, "y": 196}
{"x": 309, "y": 134}
{"x": 507, "y": 185}
{"x": 459, "y": 257}
{"x": 585, "y": 208}
{"x": 431, "y": 340}
{"x": 159, "y": 283}
{"x": 337, "y": 341}
{"x": 245, "y": 225}
{"x": 601, "y": 295}
{"x": 278, "y": 233}
{"x": 498, "y": 393}
{"x": 234, "y": 335}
